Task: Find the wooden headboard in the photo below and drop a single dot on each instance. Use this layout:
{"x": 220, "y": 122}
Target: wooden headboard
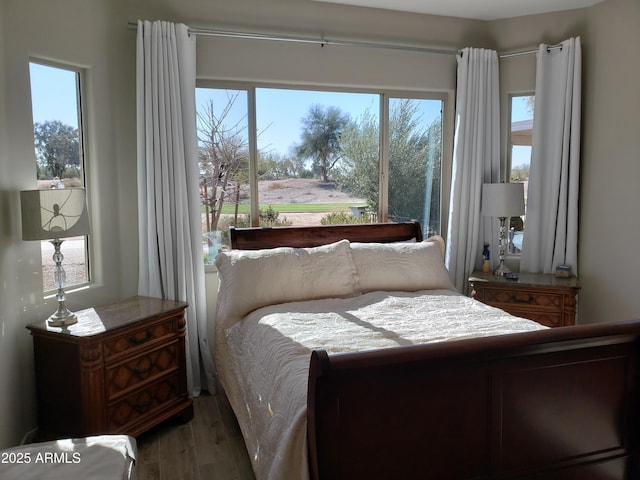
{"x": 271, "y": 237}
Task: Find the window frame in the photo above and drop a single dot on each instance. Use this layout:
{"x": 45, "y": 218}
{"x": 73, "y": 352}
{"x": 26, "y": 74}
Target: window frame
{"x": 509, "y": 166}
{"x": 80, "y": 74}
{"x": 385, "y": 96}
{"x": 511, "y": 96}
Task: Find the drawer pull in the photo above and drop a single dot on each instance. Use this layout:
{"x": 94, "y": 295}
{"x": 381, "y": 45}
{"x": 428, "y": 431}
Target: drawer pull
{"x": 515, "y": 299}
{"x": 139, "y": 341}
{"x": 142, "y": 371}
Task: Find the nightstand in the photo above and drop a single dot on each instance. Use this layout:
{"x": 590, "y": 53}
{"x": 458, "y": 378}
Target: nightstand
{"x": 544, "y": 298}
{"x": 120, "y": 370}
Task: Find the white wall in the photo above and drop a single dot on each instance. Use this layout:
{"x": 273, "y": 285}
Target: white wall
{"x": 610, "y": 175}
{"x": 94, "y": 34}
{"x": 609, "y": 226}
{"x": 81, "y": 33}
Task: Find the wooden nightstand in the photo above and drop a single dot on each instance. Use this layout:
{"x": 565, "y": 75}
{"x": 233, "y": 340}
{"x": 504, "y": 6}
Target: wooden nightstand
{"x": 544, "y": 298}
{"x": 120, "y": 369}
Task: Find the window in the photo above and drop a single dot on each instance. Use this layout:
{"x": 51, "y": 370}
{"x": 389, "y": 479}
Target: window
{"x": 282, "y": 156}
{"x": 415, "y": 161}
{"x": 223, "y": 136}
{"x": 58, "y": 138}
{"x": 521, "y": 127}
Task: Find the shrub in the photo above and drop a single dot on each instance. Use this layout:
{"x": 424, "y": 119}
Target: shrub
{"x": 269, "y": 218}
{"x": 341, "y": 218}
{"x": 306, "y": 173}
{"x": 71, "y": 172}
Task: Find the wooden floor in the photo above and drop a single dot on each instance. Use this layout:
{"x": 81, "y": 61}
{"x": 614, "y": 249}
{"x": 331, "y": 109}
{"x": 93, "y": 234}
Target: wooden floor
{"x": 209, "y": 447}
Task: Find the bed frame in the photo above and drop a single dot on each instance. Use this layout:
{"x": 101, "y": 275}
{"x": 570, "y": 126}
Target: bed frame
{"x": 269, "y": 237}
{"x": 555, "y": 404}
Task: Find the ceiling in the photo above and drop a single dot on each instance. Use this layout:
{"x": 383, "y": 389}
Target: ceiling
{"x": 476, "y": 9}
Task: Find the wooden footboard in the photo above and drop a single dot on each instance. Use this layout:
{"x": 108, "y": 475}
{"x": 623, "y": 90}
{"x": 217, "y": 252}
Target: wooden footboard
{"x": 554, "y": 404}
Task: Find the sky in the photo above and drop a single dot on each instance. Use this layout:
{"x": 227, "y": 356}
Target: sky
{"x": 279, "y": 111}
{"x": 519, "y": 109}
{"x": 520, "y": 154}
{"x": 53, "y": 94}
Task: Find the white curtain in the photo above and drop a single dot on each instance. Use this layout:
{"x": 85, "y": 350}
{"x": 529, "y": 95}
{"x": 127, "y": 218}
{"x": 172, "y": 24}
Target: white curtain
{"x": 476, "y": 160}
{"x": 551, "y": 228}
{"x": 170, "y": 226}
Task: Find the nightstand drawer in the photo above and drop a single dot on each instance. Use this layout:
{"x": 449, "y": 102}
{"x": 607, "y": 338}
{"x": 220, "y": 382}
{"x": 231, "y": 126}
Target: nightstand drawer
{"x": 138, "y": 338}
{"x": 550, "y": 319}
{"x": 543, "y": 298}
{"x": 129, "y": 374}
{"x": 140, "y": 404}
{"x": 509, "y": 298}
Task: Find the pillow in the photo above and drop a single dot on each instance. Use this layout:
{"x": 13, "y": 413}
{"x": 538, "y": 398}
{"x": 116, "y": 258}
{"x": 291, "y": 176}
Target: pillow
{"x": 250, "y": 279}
{"x": 401, "y": 266}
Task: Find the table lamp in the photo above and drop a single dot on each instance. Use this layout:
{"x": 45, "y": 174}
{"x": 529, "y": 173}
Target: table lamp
{"x": 53, "y": 215}
{"x": 502, "y": 200}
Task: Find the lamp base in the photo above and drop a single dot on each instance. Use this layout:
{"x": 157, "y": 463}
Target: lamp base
{"x": 62, "y": 317}
{"x": 502, "y": 270}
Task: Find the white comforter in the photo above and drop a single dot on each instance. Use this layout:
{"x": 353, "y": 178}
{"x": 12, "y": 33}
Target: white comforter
{"x": 264, "y": 358}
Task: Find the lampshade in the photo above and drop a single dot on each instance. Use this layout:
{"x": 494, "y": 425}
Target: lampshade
{"x": 503, "y": 199}
{"x": 55, "y": 213}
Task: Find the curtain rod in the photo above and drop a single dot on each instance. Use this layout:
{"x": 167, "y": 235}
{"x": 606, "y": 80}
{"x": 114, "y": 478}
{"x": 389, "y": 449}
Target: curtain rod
{"x": 529, "y": 52}
{"x": 317, "y": 41}
{"x": 206, "y": 32}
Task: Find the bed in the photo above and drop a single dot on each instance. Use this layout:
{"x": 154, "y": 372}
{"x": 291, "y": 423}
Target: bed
{"x": 347, "y": 354}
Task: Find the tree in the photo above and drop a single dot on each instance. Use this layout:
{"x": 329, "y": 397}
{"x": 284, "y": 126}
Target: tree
{"x": 531, "y": 104}
{"x": 276, "y": 166}
{"x": 57, "y": 147}
{"x": 414, "y": 163}
{"x": 321, "y": 134}
{"x": 358, "y": 170}
{"x": 223, "y": 158}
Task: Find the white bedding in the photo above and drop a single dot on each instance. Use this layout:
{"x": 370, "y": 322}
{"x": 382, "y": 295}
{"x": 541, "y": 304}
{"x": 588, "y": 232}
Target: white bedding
{"x": 100, "y": 457}
{"x": 263, "y": 358}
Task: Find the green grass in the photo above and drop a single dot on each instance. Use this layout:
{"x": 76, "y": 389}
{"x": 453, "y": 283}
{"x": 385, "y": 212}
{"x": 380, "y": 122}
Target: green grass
{"x": 294, "y": 207}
